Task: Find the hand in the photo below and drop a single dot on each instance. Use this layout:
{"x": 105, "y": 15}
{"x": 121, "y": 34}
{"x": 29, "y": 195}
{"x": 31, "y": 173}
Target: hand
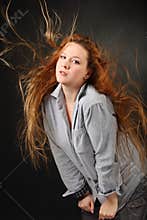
{"x": 109, "y": 208}
{"x": 87, "y": 203}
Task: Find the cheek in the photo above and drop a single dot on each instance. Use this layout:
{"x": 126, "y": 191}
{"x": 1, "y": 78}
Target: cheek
{"x": 57, "y": 65}
{"x": 80, "y": 72}
{"x": 75, "y": 73}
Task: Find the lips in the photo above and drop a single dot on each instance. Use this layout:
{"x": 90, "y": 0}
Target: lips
{"x": 63, "y": 73}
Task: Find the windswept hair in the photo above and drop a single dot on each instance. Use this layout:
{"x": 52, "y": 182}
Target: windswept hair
{"x": 132, "y": 120}
{"x": 41, "y": 80}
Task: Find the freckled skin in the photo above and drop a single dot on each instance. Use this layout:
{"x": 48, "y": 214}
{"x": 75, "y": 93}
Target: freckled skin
{"x": 71, "y": 66}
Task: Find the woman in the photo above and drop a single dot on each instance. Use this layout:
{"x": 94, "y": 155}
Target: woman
{"x": 94, "y": 129}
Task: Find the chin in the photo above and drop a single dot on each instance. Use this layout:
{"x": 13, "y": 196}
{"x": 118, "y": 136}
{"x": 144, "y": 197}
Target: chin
{"x": 64, "y": 82}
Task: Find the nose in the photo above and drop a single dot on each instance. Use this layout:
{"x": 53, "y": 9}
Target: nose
{"x": 66, "y": 64}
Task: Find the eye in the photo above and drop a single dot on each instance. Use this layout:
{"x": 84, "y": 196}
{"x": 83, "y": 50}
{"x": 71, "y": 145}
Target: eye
{"x": 62, "y": 56}
{"x": 76, "y": 61}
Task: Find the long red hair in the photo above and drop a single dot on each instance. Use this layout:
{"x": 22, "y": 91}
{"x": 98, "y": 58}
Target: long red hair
{"x": 132, "y": 120}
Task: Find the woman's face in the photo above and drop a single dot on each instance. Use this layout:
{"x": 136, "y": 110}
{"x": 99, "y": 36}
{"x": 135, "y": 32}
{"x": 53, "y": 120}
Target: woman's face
{"x": 71, "y": 67}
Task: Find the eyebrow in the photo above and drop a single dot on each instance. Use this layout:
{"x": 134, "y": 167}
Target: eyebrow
{"x": 72, "y": 56}
{"x": 76, "y": 57}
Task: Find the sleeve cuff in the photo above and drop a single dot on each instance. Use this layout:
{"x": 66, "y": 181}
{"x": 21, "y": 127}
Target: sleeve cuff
{"x": 118, "y": 191}
{"x": 82, "y": 192}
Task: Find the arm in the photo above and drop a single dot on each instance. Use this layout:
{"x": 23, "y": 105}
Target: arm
{"x": 101, "y": 127}
{"x": 72, "y": 178}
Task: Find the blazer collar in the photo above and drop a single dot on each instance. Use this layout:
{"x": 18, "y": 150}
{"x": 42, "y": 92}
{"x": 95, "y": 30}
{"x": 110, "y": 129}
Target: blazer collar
{"x": 58, "y": 93}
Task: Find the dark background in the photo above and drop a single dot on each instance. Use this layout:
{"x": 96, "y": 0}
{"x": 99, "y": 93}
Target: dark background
{"x": 119, "y": 25}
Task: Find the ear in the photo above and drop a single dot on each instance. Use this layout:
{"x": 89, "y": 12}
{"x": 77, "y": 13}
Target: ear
{"x": 88, "y": 74}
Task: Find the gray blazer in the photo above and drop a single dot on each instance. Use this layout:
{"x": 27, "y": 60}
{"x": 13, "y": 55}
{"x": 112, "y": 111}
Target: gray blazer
{"x": 87, "y": 151}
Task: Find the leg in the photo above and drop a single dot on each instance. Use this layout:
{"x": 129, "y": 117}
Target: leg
{"x": 136, "y": 208}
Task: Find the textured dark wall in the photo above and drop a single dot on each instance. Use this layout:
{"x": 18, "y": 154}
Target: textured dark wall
{"x": 120, "y": 25}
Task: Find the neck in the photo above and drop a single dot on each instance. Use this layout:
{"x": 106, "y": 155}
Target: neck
{"x": 70, "y": 94}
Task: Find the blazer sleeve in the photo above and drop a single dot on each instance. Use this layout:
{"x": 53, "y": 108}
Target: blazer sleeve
{"x": 101, "y": 126}
{"x": 70, "y": 175}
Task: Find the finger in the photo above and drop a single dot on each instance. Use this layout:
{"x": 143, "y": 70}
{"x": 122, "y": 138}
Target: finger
{"x": 84, "y": 207}
{"x": 105, "y": 216}
{"x": 79, "y": 204}
{"x": 92, "y": 207}
{"x": 110, "y": 216}
{"x": 88, "y": 208}
{"x": 101, "y": 216}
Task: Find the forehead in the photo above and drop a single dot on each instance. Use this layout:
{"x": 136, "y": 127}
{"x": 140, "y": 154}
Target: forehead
{"x": 75, "y": 49}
